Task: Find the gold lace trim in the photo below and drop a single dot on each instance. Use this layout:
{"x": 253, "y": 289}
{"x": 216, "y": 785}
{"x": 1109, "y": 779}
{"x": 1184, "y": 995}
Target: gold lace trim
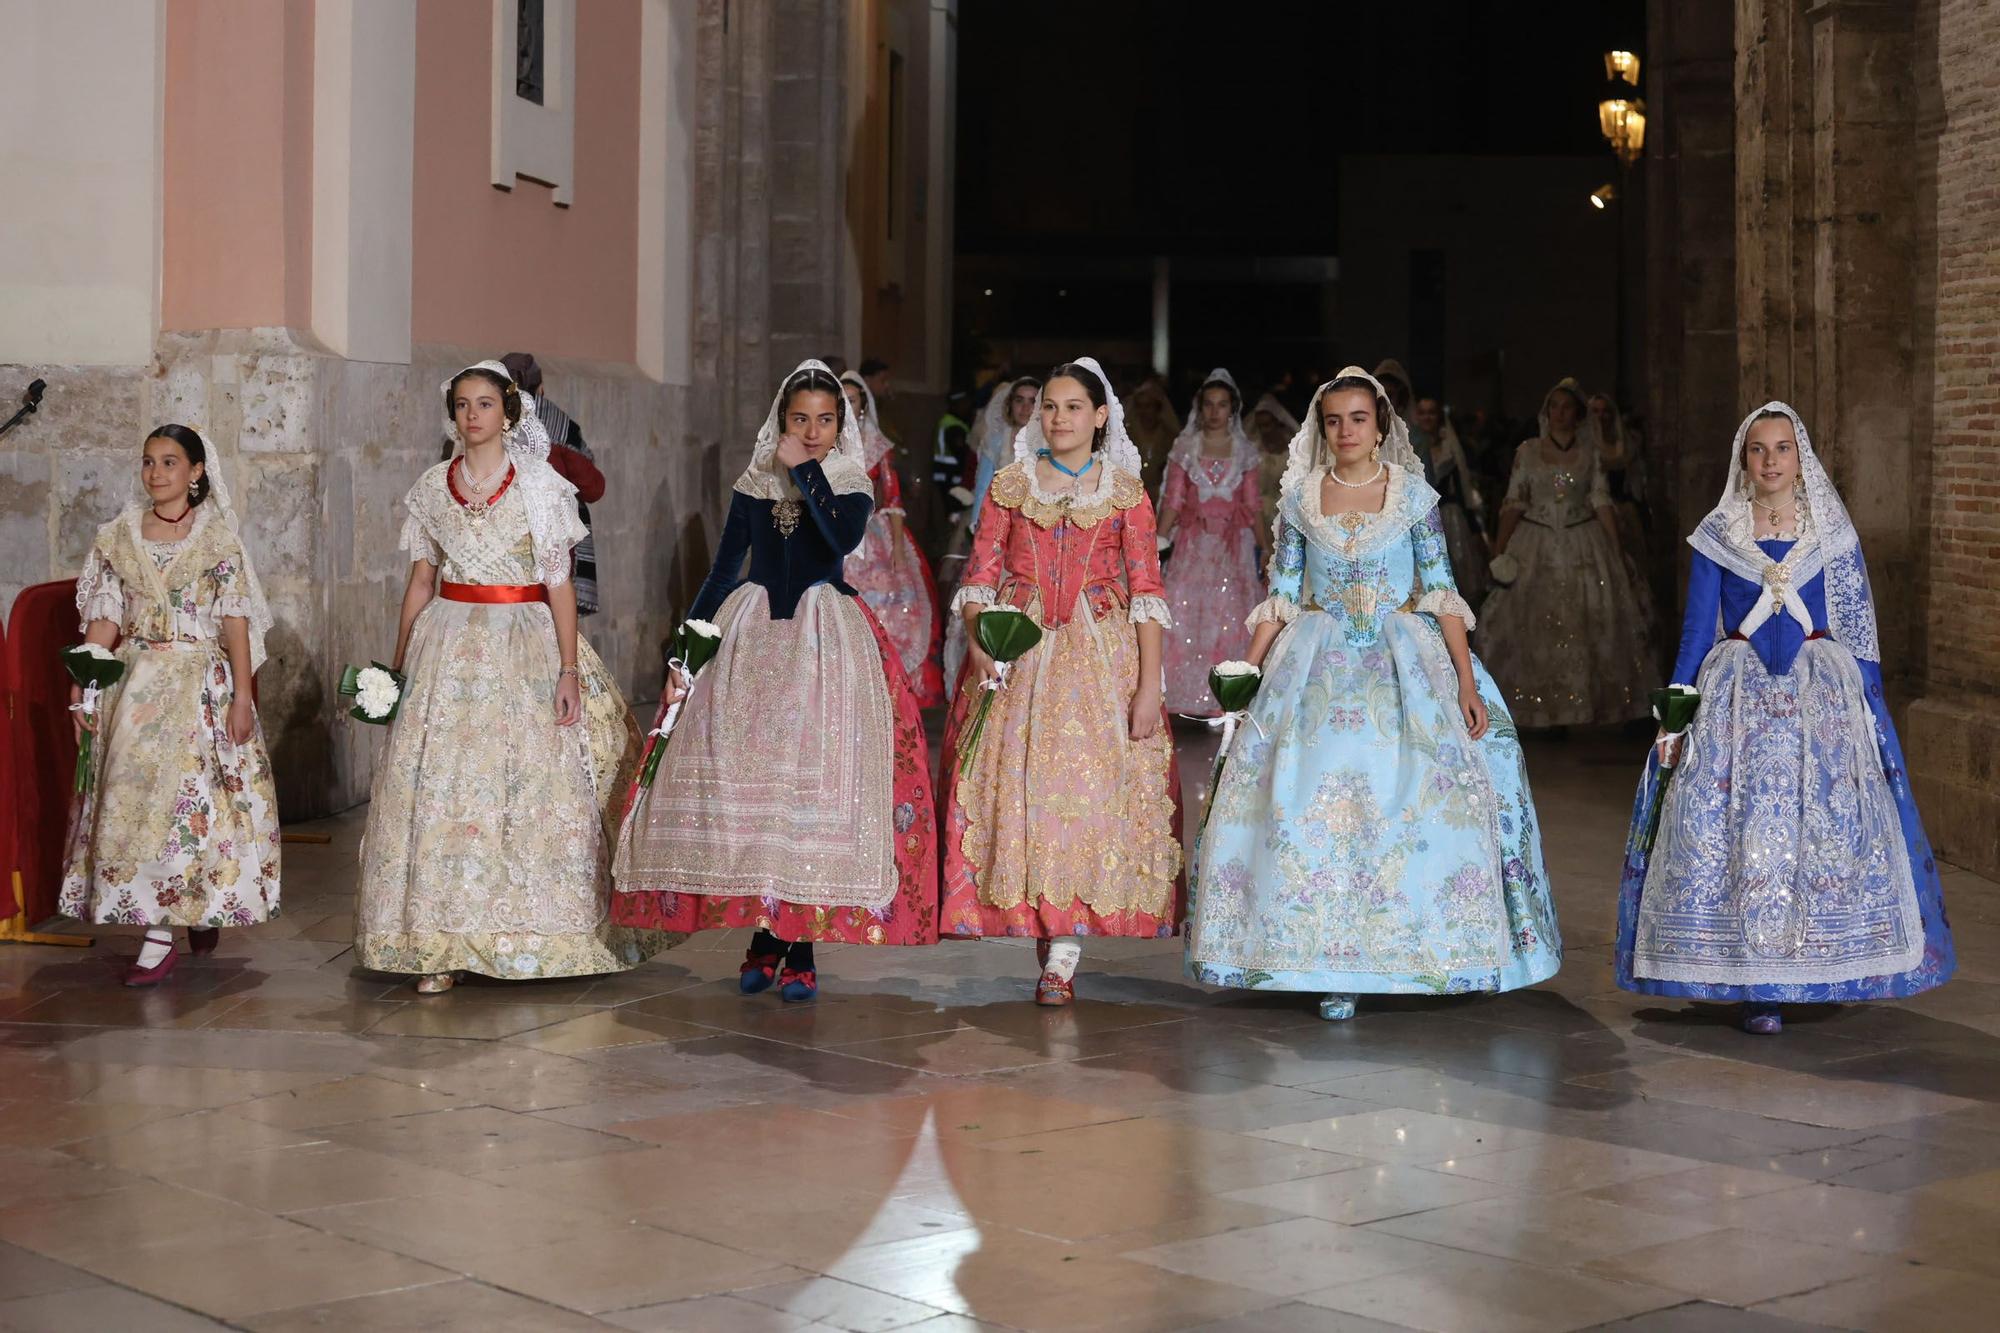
{"x": 1013, "y": 488}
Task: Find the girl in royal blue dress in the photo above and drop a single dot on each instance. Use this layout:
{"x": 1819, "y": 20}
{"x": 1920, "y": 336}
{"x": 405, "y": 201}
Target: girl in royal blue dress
{"x": 1790, "y": 864}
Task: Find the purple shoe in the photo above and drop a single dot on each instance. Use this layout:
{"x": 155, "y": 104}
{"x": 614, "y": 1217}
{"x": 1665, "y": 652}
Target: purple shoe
{"x": 1763, "y": 1021}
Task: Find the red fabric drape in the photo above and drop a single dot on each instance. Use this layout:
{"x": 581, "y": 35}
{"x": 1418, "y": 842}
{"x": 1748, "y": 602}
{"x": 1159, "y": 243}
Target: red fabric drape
{"x": 9, "y": 837}
{"x": 41, "y": 744}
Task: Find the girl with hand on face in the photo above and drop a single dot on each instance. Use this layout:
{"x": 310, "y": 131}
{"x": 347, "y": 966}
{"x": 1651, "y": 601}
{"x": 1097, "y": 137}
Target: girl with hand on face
{"x": 1372, "y": 832}
{"x": 1210, "y": 506}
{"x": 1790, "y": 864}
{"x": 1565, "y": 634}
{"x": 488, "y": 848}
{"x": 1067, "y": 822}
{"x": 178, "y": 825}
{"x": 794, "y": 795}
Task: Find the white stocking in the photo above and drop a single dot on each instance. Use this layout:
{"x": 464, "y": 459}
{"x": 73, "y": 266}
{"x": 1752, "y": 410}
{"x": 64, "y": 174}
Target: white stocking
{"x": 159, "y": 943}
{"x": 1064, "y": 955}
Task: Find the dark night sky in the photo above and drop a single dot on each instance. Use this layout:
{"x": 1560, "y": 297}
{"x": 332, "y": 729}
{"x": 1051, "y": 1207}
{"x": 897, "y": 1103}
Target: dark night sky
{"x": 1189, "y": 126}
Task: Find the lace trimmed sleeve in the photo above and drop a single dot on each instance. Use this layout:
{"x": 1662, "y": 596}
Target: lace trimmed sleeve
{"x": 1287, "y": 575}
{"x": 99, "y": 593}
{"x": 1440, "y": 593}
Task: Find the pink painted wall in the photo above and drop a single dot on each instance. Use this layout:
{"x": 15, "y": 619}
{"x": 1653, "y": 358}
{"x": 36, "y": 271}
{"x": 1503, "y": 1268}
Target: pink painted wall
{"x": 236, "y": 249}
{"x": 501, "y": 270}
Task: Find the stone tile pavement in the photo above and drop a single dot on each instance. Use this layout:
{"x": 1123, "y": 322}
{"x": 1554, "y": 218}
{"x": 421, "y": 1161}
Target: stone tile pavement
{"x": 275, "y": 1141}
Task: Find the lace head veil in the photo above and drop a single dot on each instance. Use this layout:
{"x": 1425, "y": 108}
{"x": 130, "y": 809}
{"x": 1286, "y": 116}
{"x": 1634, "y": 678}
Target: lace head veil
{"x": 550, "y": 501}
{"x": 1118, "y": 447}
{"x": 1586, "y": 427}
{"x": 1726, "y": 536}
{"x": 845, "y": 465}
{"x": 996, "y": 439}
{"x": 1309, "y": 452}
{"x": 875, "y": 442}
{"x": 218, "y": 506}
{"x": 1187, "y": 445}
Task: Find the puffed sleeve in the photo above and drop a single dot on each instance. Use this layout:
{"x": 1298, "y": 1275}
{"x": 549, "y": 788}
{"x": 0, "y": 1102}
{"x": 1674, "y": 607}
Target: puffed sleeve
{"x": 727, "y": 571}
{"x": 1174, "y": 494}
{"x": 100, "y": 595}
{"x": 1440, "y": 596}
{"x": 1141, "y": 538}
{"x": 232, "y": 588}
{"x": 1286, "y": 574}
{"x": 1700, "y": 624}
{"x": 841, "y": 518}
{"x": 981, "y": 584}
{"x": 1519, "y": 484}
{"x": 1250, "y": 499}
{"x": 888, "y": 486}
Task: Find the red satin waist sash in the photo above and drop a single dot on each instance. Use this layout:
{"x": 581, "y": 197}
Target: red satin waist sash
{"x": 493, "y": 594}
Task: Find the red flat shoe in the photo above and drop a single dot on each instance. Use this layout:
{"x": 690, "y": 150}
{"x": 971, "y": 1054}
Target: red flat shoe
{"x": 154, "y": 975}
{"x": 203, "y": 939}
{"x": 1052, "y": 992}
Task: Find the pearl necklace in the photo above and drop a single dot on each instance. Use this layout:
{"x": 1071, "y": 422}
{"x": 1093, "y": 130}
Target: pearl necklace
{"x": 1381, "y": 470}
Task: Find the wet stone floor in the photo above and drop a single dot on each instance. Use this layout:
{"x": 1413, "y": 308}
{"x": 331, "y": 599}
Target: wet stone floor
{"x": 275, "y": 1141}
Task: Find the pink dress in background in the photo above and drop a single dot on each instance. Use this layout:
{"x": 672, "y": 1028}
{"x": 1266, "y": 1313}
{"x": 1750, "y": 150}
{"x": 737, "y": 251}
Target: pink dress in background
{"x": 1211, "y": 575}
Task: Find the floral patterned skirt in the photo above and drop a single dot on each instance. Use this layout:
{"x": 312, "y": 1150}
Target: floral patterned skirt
{"x": 1359, "y": 840}
{"x": 180, "y": 826}
{"x": 488, "y": 848}
{"x": 1064, "y": 825}
{"x": 795, "y": 792}
{"x": 895, "y": 581}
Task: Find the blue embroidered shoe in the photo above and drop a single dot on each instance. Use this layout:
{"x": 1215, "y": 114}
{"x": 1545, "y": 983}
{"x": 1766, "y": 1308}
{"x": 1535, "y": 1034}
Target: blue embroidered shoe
{"x": 1763, "y": 1020}
{"x": 798, "y": 987}
{"x": 1337, "y": 1008}
{"x": 758, "y": 972}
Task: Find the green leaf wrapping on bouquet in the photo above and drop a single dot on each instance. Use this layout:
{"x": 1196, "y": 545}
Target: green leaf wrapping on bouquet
{"x": 1004, "y": 633}
{"x": 1674, "y": 710}
{"x": 90, "y": 672}
{"x": 695, "y": 649}
{"x": 350, "y": 686}
{"x": 1234, "y": 693}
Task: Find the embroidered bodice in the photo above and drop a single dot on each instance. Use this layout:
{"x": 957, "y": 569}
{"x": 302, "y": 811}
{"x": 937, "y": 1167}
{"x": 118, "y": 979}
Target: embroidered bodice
{"x": 1556, "y": 495}
{"x": 1195, "y": 493}
{"x": 823, "y": 528}
{"x": 1042, "y": 552}
{"x": 1362, "y": 566}
{"x": 163, "y": 592}
{"x": 493, "y": 547}
{"x": 1719, "y": 600}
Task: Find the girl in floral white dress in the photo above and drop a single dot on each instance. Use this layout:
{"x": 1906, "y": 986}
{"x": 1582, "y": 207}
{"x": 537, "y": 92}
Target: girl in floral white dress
{"x": 178, "y": 823}
{"x": 487, "y": 848}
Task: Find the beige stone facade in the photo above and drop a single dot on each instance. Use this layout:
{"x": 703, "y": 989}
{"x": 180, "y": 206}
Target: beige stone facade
{"x": 1864, "y": 245}
{"x": 662, "y": 319}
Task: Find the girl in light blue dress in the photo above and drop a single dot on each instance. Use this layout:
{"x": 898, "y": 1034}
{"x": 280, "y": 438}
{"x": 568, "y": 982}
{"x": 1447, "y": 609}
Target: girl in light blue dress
{"x": 1372, "y": 831}
{"x": 1790, "y": 864}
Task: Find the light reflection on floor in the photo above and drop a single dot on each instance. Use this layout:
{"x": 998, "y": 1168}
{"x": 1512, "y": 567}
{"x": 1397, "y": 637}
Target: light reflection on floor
{"x": 275, "y": 1142}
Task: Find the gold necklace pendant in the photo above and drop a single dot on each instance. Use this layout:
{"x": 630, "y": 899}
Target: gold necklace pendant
{"x": 785, "y": 516}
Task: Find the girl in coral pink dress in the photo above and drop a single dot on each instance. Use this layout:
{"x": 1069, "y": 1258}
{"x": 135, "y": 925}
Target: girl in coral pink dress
{"x": 1066, "y": 822}
{"x": 1210, "y": 509}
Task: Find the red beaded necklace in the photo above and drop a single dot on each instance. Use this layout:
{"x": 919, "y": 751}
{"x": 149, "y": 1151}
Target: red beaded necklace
{"x": 477, "y": 508}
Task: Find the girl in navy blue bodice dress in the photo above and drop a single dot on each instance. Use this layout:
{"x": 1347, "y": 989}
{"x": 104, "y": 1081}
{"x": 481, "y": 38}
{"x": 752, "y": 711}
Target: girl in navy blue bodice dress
{"x": 1790, "y": 864}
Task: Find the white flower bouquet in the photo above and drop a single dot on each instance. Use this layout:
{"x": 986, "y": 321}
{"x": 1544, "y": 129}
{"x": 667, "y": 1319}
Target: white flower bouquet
{"x": 377, "y": 692}
{"x": 695, "y": 645}
{"x": 95, "y": 668}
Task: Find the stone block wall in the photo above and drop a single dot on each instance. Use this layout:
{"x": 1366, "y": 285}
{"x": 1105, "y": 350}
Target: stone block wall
{"x": 1953, "y": 731}
{"x": 318, "y": 452}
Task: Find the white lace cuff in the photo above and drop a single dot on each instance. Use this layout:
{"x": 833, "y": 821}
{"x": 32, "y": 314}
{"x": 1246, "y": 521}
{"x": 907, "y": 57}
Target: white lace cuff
{"x": 1272, "y": 610}
{"x": 1151, "y": 608}
{"x": 1446, "y": 602}
{"x": 99, "y": 594}
{"x": 973, "y": 594}
{"x": 233, "y": 604}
